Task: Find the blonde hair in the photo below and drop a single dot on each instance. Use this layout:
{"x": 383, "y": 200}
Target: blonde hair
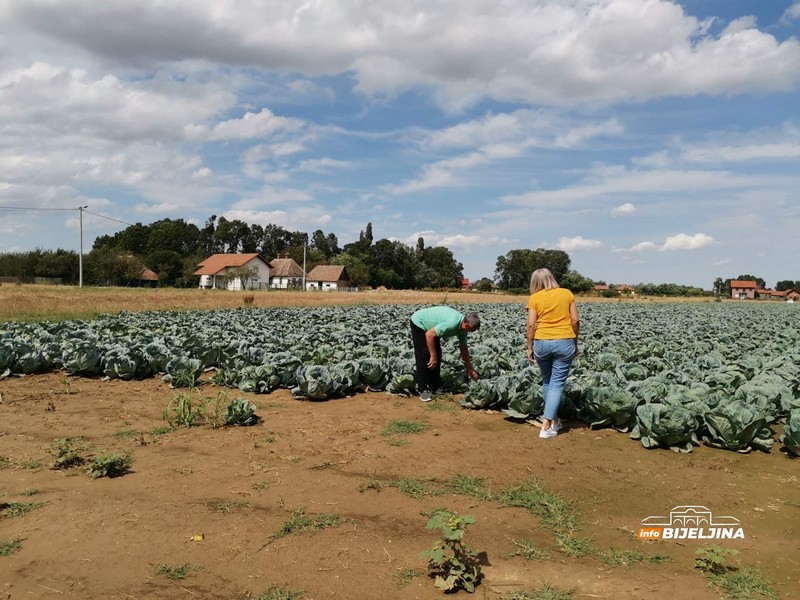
{"x": 542, "y": 279}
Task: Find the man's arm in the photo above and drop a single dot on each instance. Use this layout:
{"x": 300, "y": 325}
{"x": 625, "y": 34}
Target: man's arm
{"x": 430, "y": 339}
{"x": 462, "y": 346}
{"x": 530, "y": 331}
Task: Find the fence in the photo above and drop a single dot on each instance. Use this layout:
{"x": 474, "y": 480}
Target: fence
{"x": 33, "y": 280}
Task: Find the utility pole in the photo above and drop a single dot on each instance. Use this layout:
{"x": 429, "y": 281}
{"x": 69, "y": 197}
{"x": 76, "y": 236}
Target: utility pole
{"x": 305, "y": 243}
{"x": 80, "y": 255}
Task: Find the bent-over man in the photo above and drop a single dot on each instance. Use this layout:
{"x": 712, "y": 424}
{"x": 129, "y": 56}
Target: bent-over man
{"x": 428, "y": 327}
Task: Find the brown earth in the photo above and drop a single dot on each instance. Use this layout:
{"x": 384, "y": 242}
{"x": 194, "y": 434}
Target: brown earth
{"x": 237, "y": 486}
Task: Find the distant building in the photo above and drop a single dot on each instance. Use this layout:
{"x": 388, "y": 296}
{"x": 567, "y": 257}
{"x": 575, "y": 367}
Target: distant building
{"x": 215, "y": 271}
{"x": 624, "y": 288}
{"x": 601, "y": 287}
{"x": 743, "y": 290}
{"x": 328, "y": 278}
{"x": 465, "y": 284}
{"x": 285, "y": 274}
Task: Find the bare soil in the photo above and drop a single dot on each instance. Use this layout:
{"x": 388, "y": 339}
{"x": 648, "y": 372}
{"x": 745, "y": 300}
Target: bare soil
{"x": 237, "y": 486}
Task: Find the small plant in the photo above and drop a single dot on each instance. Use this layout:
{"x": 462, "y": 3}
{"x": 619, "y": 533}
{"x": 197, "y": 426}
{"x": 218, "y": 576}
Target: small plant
{"x": 127, "y": 434}
{"x": 174, "y": 573}
{"x": 453, "y": 565}
{"x": 67, "y": 452}
{"x": 32, "y": 492}
{"x": 4, "y": 462}
{"x": 241, "y": 412}
{"x": 529, "y": 551}
{"x": 404, "y": 576}
{"x": 554, "y": 510}
{"x": 276, "y": 592}
{"x": 248, "y": 299}
{"x": 573, "y": 546}
{"x": 467, "y": 486}
{"x": 747, "y": 584}
{"x": 9, "y": 547}
{"x": 397, "y": 427}
{"x": 626, "y": 558}
{"x": 226, "y": 506}
{"x": 712, "y": 559}
{"x": 110, "y": 465}
{"x": 371, "y": 484}
{"x": 180, "y": 411}
{"x": 260, "y": 486}
{"x": 65, "y": 383}
{"x": 411, "y": 487}
{"x": 29, "y": 464}
{"x": 546, "y": 593}
{"x": 210, "y": 409}
{"x": 11, "y": 510}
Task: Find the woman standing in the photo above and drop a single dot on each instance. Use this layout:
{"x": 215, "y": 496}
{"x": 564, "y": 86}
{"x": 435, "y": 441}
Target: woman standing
{"x": 552, "y": 330}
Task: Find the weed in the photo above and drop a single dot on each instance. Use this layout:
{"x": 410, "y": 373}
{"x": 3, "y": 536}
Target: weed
{"x": 396, "y": 427}
{"x": 626, "y": 558}
{"x": 573, "y": 546}
{"x": 248, "y": 299}
{"x": 404, "y": 576}
{"x": 174, "y": 573}
{"x": 371, "y": 484}
{"x": 127, "y": 434}
{"x": 553, "y": 509}
{"x": 411, "y": 487}
{"x": 210, "y": 410}
{"x": 529, "y": 551}
{"x": 712, "y": 559}
{"x": 32, "y": 492}
{"x": 439, "y": 406}
{"x": 398, "y": 404}
{"x": 546, "y": 593}
{"x": 226, "y": 506}
{"x": 260, "y": 486}
{"x": 276, "y": 592}
{"x": 396, "y": 442}
{"x": 183, "y": 470}
{"x": 4, "y": 462}
{"x": 11, "y": 510}
{"x": 275, "y": 405}
{"x": 64, "y": 381}
{"x": 9, "y": 547}
{"x": 301, "y": 522}
{"x": 453, "y": 565}
{"x": 180, "y": 411}
{"x": 747, "y": 584}
{"x": 67, "y": 452}
{"x": 156, "y": 431}
{"x": 325, "y": 465}
{"x": 468, "y": 486}
{"x": 30, "y": 464}
{"x": 110, "y": 465}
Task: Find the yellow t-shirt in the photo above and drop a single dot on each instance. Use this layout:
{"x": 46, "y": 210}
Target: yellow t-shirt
{"x": 552, "y": 312}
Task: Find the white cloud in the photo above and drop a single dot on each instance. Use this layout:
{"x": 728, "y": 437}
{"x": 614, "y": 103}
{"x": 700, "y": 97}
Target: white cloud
{"x": 792, "y": 13}
{"x": 163, "y": 208}
{"x": 249, "y": 126}
{"x": 271, "y": 196}
{"x": 323, "y": 165}
{"x": 683, "y": 241}
{"x": 295, "y": 219}
{"x": 515, "y": 51}
{"x": 721, "y": 263}
{"x": 455, "y": 241}
{"x": 624, "y": 209}
{"x": 577, "y": 244}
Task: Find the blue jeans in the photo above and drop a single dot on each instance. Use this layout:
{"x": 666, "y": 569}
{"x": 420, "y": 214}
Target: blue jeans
{"x": 554, "y": 358}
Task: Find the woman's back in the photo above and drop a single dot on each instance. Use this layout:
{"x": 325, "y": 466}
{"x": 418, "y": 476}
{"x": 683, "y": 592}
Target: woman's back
{"x": 553, "y": 320}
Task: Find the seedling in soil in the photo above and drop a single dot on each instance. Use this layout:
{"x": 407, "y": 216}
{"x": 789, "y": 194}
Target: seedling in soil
{"x": 210, "y": 409}
{"x": 371, "y": 484}
{"x": 573, "y": 546}
{"x": 32, "y": 492}
{"x": 241, "y": 412}
{"x": 67, "y": 452}
{"x": 11, "y": 510}
{"x": 29, "y": 464}
{"x": 174, "y": 573}
{"x": 4, "y": 462}
{"x": 110, "y": 465}
{"x": 467, "y": 486}
{"x": 126, "y": 434}
{"x": 260, "y": 486}
{"x": 713, "y": 559}
{"x": 180, "y": 411}
{"x": 227, "y": 506}
{"x": 748, "y": 584}
{"x": 411, "y": 487}
{"x": 554, "y": 510}
{"x": 546, "y": 593}
{"x": 453, "y": 565}
{"x": 396, "y": 427}
{"x": 9, "y": 547}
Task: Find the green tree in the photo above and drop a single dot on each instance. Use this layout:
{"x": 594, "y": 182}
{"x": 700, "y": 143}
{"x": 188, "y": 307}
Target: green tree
{"x": 787, "y": 284}
{"x": 515, "y": 268}
{"x": 484, "y": 284}
{"x": 449, "y": 272}
{"x": 576, "y": 283}
{"x": 356, "y": 268}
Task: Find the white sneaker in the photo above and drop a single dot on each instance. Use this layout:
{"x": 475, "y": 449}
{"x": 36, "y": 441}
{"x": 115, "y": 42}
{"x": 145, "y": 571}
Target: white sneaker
{"x": 556, "y": 426}
{"x": 425, "y": 396}
{"x": 548, "y": 433}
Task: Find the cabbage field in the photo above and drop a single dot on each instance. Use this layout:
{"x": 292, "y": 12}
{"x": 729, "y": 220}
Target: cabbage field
{"x": 671, "y": 375}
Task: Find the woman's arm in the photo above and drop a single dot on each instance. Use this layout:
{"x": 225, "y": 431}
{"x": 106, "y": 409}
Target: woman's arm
{"x": 576, "y": 322}
{"x": 530, "y": 331}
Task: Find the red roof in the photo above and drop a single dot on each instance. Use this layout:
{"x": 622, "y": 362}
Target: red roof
{"x": 601, "y": 287}
{"x": 148, "y": 275}
{"x": 743, "y": 284}
{"x": 216, "y": 262}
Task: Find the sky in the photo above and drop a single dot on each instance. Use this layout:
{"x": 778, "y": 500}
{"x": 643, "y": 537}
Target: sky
{"x": 652, "y": 140}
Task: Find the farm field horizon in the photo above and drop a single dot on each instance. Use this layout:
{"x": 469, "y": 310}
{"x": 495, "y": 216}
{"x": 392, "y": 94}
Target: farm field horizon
{"x": 329, "y": 499}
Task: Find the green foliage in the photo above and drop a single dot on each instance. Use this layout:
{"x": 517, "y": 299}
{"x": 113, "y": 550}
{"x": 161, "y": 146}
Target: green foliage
{"x": 12, "y": 510}
{"x": 554, "y": 510}
{"x": 453, "y": 565}
{"x": 9, "y": 547}
{"x": 67, "y": 452}
{"x": 109, "y": 465}
{"x": 713, "y": 559}
{"x": 514, "y": 269}
{"x": 172, "y": 572}
{"x": 746, "y": 584}
{"x": 241, "y": 412}
{"x": 405, "y": 576}
{"x": 529, "y": 551}
{"x": 547, "y": 592}
{"x": 181, "y": 411}
{"x": 574, "y": 546}
{"x": 411, "y": 487}
{"x": 400, "y": 427}
{"x": 791, "y": 433}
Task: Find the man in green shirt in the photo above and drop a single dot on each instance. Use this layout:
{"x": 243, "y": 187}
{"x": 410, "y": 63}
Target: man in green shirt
{"x": 428, "y": 327}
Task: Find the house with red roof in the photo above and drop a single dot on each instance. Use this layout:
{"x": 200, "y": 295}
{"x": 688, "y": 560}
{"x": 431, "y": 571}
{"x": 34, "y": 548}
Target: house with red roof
{"x": 743, "y": 289}
{"x": 223, "y": 271}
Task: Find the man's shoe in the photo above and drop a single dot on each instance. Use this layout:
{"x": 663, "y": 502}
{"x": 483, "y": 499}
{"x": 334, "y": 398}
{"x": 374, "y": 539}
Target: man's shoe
{"x": 425, "y": 396}
{"x": 556, "y": 426}
{"x": 548, "y": 433}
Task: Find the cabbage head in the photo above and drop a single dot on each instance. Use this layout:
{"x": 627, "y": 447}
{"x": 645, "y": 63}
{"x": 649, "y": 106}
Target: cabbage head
{"x": 737, "y": 426}
{"x": 665, "y": 426}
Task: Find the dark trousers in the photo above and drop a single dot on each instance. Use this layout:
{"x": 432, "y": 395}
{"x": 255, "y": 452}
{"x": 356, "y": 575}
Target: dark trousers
{"x": 427, "y": 379}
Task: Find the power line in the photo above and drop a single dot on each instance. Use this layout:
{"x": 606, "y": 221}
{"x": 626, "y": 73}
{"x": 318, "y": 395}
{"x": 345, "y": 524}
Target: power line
{"x": 32, "y": 209}
{"x": 105, "y": 217}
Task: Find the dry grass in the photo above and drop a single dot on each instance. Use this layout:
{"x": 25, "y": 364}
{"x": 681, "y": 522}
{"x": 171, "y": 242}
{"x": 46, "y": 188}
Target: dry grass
{"x": 52, "y": 303}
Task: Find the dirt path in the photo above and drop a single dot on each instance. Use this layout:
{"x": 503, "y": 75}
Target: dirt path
{"x": 239, "y": 486}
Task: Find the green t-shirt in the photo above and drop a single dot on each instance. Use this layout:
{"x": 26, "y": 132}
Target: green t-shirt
{"x": 445, "y": 320}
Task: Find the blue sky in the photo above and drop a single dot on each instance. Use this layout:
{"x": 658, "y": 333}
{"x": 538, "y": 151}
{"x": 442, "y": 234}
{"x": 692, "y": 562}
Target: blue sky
{"x": 654, "y": 141}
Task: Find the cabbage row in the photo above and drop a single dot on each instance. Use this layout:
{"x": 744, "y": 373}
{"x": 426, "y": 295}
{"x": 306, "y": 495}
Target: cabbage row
{"x": 672, "y": 376}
